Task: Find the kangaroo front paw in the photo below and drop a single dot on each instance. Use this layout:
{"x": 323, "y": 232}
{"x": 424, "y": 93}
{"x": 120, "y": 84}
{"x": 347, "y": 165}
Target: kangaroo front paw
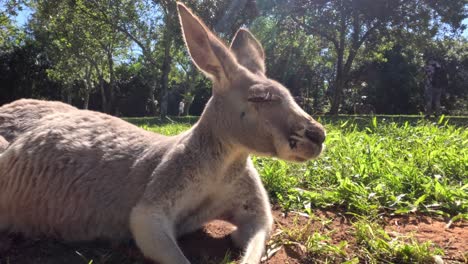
{"x": 252, "y": 242}
{"x": 239, "y": 239}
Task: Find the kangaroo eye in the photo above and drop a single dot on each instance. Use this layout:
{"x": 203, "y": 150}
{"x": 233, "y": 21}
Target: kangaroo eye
{"x": 263, "y": 98}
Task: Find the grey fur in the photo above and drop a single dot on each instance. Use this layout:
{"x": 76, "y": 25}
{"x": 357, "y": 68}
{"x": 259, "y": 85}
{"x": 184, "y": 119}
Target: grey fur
{"x": 22, "y": 115}
{"x": 81, "y": 175}
{"x": 3, "y": 144}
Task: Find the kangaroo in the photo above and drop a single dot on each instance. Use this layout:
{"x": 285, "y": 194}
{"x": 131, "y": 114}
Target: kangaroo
{"x": 22, "y": 115}
{"x": 81, "y": 175}
{"x": 3, "y": 144}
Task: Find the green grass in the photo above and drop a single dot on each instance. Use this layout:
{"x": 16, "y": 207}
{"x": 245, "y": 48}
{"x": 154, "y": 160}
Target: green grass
{"x": 376, "y": 246}
{"x": 315, "y": 244}
{"x": 391, "y": 167}
{"x": 372, "y": 166}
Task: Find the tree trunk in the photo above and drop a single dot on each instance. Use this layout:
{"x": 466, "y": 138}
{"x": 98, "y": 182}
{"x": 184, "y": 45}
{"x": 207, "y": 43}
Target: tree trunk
{"x": 188, "y": 104}
{"x": 69, "y": 95}
{"x": 88, "y": 85}
{"x": 102, "y": 89}
{"x": 190, "y": 80}
{"x": 105, "y": 108}
{"x": 154, "y": 107}
{"x": 338, "y": 83}
{"x": 166, "y": 68}
{"x": 340, "y": 75}
{"x": 87, "y": 92}
{"x": 111, "y": 102}
{"x": 86, "y": 100}
{"x": 338, "y": 88}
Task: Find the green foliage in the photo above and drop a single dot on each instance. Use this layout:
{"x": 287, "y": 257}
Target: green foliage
{"x": 391, "y": 85}
{"x": 350, "y": 27}
{"x": 328, "y": 53}
{"x": 10, "y": 35}
{"x": 23, "y": 74}
{"x": 81, "y": 45}
{"x": 295, "y": 59}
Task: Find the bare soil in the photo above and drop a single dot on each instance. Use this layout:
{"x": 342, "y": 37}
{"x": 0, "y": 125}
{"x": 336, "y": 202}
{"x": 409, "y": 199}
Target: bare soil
{"x": 212, "y": 244}
{"x": 453, "y": 238}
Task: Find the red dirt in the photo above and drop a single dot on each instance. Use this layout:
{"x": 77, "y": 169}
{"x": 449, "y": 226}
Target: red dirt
{"x": 213, "y": 240}
{"x": 211, "y": 244}
{"x": 453, "y": 240}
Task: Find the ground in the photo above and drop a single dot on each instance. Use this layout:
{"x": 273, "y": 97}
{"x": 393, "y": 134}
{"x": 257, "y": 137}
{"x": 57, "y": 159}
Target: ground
{"x": 212, "y": 244}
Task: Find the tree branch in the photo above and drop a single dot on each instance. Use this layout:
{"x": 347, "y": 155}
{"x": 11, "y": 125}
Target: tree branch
{"x": 314, "y": 30}
{"x": 355, "y": 48}
{"x": 105, "y": 18}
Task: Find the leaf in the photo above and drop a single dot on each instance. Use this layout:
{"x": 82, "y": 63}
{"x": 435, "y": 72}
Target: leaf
{"x": 441, "y": 119}
{"x": 464, "y": 187}
{"x": 421, "y": 199}
{"x": 344, "y": 124}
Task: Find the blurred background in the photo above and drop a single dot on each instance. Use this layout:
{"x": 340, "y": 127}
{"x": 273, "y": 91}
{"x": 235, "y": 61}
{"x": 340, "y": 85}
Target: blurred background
{"x": 127, "y": 57}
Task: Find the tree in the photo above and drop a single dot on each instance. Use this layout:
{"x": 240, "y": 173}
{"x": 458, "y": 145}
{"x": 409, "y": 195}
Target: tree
{"x": 23, "y": 73}
{"x": 139, "y": 21}
{"x": 153, "y": 26}
{"x": 391, "y": 85}
{"x": 295, "y": 59}
{"x": 11, "y": 35}
{"x": 224, "y": 16}
{"x": 453, "y": 55}
{"x": 349, "y": 24}
{"x": 83, "y": 48}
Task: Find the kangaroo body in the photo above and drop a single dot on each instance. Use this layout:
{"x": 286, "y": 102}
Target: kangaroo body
{"x": 80, "y": 175}
{"x": 22, "y": 115}
{"x": 98, "y": 178}
{"x": 3, "y": 144}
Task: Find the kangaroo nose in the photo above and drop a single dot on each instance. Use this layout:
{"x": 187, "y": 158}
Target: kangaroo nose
{"x": 315, "y": 134}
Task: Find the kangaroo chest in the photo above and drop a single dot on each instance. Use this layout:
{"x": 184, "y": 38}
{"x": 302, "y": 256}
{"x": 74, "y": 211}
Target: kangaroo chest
{"x": 208, "y": 200}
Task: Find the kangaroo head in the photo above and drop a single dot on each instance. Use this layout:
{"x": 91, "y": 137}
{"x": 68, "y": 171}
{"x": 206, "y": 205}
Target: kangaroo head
{"x": 247, "y": 107}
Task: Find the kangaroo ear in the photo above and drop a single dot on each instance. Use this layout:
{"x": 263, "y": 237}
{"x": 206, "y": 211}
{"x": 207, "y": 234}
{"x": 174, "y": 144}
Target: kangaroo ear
{"x": 248, "y": 51}
{"x": 208, "y": 52}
